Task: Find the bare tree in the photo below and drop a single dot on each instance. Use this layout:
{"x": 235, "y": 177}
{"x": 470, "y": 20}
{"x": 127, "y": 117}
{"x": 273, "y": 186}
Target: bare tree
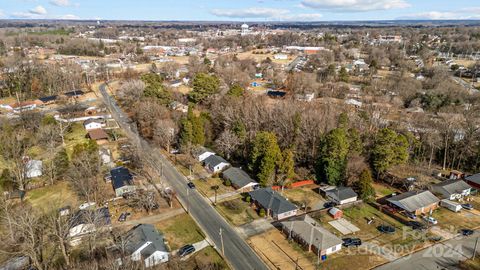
{"x": 83, "y": 173}
{"x": 131, "y": 92}
{"x": 227, "y": 143}
{"x": 164, "y": 133}
{"x": 14, "y": 148}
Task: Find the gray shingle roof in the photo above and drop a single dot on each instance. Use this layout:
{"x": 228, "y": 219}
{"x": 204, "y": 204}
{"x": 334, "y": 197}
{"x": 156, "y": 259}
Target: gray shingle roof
{"x": 141, "y": 234}
{"x": 414, "y": 200}
{"x": 237, "y": 176}
{"x": 474, "y": 178}
{"x": 270, "y": 199}
{"x": 452, "y": 186}
{"x": 214, "y": 160}
{"x": 321, "y": 237}
{"x": 341, "y": 193}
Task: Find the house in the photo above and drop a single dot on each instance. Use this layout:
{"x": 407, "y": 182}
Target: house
{"x": 48, "y": 100}
{"x": 315, "y": 238}
{"x": 98, "y": 135}
{"x": 307, "y": 97}
{"x": 473, "y": 180}
{"x": 74, "y": 93}
{"x": 122, "y": 181}
{"x": 90, "y": 124}
{"x": 34, "y": 168}
{"x": 415, "y": 202}
{"x": 88, "y": 221}
{"x": 145, "y": 243}
{"x": 24, "y": 106}
{"x": 203, "y": 153}
{"x": 176, "y": 83}
{"x": 275, "y": 204}
{"x": 335, "y": 213}
{"x": 215, "y": 163}
{"x": 341, "y": 195}
{"x": 280, "y": 56}
{"x": 239, "y": 178}
{"x": 451, "y": 189}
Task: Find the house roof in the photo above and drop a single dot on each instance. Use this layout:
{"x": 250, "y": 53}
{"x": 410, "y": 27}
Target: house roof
{"x": 121, "y": 177}
{"x": 341, "y": 193}
{"x": 202, "y": 150}
{"x": 100, "y": 216}
{"x": 48, "y": 99}
{"x": 74, "y": 93}
{"x": 214, "y": 160}
{"x": 91, "y": 120}
{"x": 414, "y": 200}
{"x": 237, "y": 176}
{"x": 272, "y": 200}
{"x": 141, "y": 234}
{"x": 321, "y": 237}
{"x": 474, "y": 178}
{"x": 452, "y": 186}
{"x": 97, "y": 134}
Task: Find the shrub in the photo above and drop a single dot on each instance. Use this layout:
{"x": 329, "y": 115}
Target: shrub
{"x": 228, "y": 183}
{"x": 261, "y": 213}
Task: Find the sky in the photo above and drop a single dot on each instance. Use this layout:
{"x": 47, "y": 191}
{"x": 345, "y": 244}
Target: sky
{"x": 241, "y": 10}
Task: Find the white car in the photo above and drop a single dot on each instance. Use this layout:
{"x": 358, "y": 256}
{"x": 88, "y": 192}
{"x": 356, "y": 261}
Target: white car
{"x": 430, "y": 220}
{"x": 86, "y": 205}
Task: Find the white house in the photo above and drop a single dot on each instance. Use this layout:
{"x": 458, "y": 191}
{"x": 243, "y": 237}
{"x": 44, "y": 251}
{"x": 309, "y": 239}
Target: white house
{"x": 280, "y": 56}
{"x": 216, "y": 163}
{"x": 451, "y": 189}
{"x": 341, "y": 195}
{"x": 34, "y": 168}
{"x": 87, "y": 221}
{"x": 91, "y": 124}
{"x": 203, "y": 153}
{"x": 145, "y": 243}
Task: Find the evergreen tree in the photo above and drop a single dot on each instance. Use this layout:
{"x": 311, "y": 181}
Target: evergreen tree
{"x": 154, "y": 88}
{"x": 287, "y": 166}
{"x": 332, "y": 162}
{"x": 364, "y": 185}
{"x": 204, "y": 85}
{"x": 235, "y": 91}
{"x": 198, "y": 131}
{"x": 186, "y": 133}
{"x": 60, "y": 163}
{"x": 264, "y": 157}
{"x": 343, "y": 75}
{"x": 389, "y": 149}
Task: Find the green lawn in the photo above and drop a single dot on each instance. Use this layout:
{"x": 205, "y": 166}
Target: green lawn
{"x": 449, "y": 220}
{"x": 205, "y": 186}
{"x": 75, "y": 136}
{"x": 57, "y": 195}
{"x": 237, "y": 211}
{"x": 301, "y": 196}
{"x": 180, "y": 230}
{"x": 207, "y": 258}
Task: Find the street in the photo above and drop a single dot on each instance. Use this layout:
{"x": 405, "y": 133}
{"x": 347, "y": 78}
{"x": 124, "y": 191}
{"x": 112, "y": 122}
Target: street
{"x": 237, "y": 252}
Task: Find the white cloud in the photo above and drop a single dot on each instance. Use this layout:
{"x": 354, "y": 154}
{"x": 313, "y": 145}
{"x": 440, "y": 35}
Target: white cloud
{"x": 39, "y": 10}
{"x": 25, "y": 15}
{"x": 60, "y": 3}
{"x": 250, "y": 13}
{"x": 2, "y": 14}
{"x": 303, "y": 17}
{"x": 355, "y": 5}
{"x": 68, "y": 17}
{"x": 441, "y": 15}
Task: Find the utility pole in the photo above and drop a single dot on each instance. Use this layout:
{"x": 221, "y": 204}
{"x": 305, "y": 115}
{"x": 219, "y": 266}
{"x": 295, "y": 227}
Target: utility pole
{"x": 221, "y": 240}
{"x": 475, "y": 249}
{"x": 188, "y": 199}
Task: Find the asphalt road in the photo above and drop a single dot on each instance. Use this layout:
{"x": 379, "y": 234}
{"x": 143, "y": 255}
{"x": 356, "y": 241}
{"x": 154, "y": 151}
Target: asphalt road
{"x": 445, "y": 255}
{"x": 237, "y": 252}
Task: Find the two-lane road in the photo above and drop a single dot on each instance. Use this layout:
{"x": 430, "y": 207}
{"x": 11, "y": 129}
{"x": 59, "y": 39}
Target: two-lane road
{"x": 237, "y": 252}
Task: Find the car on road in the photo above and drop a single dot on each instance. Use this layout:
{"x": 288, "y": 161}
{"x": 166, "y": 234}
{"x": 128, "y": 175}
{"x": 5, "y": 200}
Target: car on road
{"x": 351, "y": 242}
{"x": 415, "y": 225}
{"x": 467, "y": 206}
{"x": 191, "y": 185}
{"x": 123, "y": 216}
{"x": 466, "y": 232}
{"x": 185, "y": 250}
{"x": 386, "y": 229}
{"x": 430, "y": 220}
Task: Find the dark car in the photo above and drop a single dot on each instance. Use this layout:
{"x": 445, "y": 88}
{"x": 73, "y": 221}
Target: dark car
{"x": 467, "y": 206}
{"x": 415, "y": 225}
{"x": 386, "y": 229}
{"x": 185, "y": 250}
{"x": 123, "y": 216}
{"x": 191, "y": 185}
{"x": 410, "y": 215}
{"x": 351, "y": 242}
{"x": 466, "y": 232}
{"x": 329, "y": 204}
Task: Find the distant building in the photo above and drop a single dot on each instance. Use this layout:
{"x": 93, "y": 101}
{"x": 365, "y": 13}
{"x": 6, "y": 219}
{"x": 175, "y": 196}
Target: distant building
{"x": 274, "y": 204}
{"x": 280, "y": 56}
{"x": 451, "y": 189}
{"x": 34, "y": 168}
{"x": 203, "y": 153}
{"x": 240, "y": 179}
{"x": 341, "y": 195}
{"x": 245, "y": 29}
{"x": 415, "y": 202}
{"x": 215, "y": 163}
{"x": 122, "y": 181}
{"x": 88, "y": 221}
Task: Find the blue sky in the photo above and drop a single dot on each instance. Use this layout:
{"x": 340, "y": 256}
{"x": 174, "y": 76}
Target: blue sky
{"x": 240, "y": 10}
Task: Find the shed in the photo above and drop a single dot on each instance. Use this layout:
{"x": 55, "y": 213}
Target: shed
{"x": 335, "y": 213}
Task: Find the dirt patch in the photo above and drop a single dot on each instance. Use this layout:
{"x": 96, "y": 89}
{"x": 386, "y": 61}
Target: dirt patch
{"x": 278, "y": 253}
{"x": 237, "y": 211}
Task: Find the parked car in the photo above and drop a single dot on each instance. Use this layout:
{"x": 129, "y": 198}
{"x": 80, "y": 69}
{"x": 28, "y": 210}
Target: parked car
{"x": 329, "y": 204}
{"x": 386, "y": 229}
{"x": 191, "y": 185}
{"x": 185, "y": 250}
{"x": 86, "y": 205}
{"x": 467, "y": 206}
{"x": 409, "y": 215}
{"x": 430, "y": 220}
{"x": 123, "y": 216}
{"x": 466, "y": 232}
{"x": 351, "y": 242}
{"x": 415, "y": 225}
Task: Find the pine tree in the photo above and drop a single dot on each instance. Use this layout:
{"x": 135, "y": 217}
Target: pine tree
{"x": 332, "y": 162}
{"x": 235, "y": 91}
{"x": 364, "y": 184}
{"x": 264, "y": 157}
{"x": 287, "y": 166}
{"x": 389, "y": 149}
{"x": 204, "y": 85}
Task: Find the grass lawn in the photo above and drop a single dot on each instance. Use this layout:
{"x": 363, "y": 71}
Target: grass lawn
{"x": 301, "y": 196}
{"x": 449, "y": 220}
{"x": 205, "y": 186}
{"x": 237, "y": 211}
{"x": 57, "y": 195}
{"x": 206, "y": 258}
{"x": 75, "y": 136}
{"x": 347, "y": 260}
{"x": 180, "y": 230}
{"x": 383, "y": 190}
